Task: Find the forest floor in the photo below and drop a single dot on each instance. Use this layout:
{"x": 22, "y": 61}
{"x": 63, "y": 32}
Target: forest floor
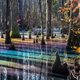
{"x": 57, "y": 38}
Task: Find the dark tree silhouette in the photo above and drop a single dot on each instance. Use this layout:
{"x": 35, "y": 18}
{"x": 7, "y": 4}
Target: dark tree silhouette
{"x": 7, "y": 37}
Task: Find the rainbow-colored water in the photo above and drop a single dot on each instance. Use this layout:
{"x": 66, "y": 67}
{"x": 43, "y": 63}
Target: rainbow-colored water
{"x": 30, "y": 61}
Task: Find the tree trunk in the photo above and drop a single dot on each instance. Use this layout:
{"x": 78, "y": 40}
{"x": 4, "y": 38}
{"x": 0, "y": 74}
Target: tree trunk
{"x": 74, "y": 40}
{"x": 14, "y": 24}
{"x": 29, "y": 35}
{"x": 3, "y": 13}
{"x": 14, "y": 8}
{"x": 7, "y": 37}
{"x": 59, "y": 5}
{"x": 42, "y": 40}
{"x": 48, "y": 18}
{"x": 74, "y": 36}
{"x": 21, "y": 12}
{"x": 41, "y": 17}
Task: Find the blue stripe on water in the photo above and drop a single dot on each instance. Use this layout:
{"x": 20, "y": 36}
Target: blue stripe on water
{"x": 34, "y": 51}
{"x": 48, "y": 48}
{"x": 17, "y": 53}
{"x": 41, "y": 48}
{"x": 48, "y": 52}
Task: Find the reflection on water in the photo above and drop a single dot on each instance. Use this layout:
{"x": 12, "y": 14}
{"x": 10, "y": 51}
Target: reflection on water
{"x": 29, "y": 77}
{"x": 4, "y": 75}
{"x": 30, "y": 63}
{"x": 17, "y": 74}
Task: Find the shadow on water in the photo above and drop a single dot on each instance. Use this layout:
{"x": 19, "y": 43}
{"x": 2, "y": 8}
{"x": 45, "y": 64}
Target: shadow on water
{"x": 10, "y": 77}
{"x": 28, "y": 77}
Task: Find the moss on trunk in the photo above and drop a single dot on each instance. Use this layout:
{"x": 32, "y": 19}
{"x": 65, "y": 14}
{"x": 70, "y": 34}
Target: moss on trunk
{"x": 15, "y": 34}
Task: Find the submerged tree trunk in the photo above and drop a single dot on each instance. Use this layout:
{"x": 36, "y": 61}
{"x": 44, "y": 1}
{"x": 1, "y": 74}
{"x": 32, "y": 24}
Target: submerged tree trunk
{"x": 7, "y": 37}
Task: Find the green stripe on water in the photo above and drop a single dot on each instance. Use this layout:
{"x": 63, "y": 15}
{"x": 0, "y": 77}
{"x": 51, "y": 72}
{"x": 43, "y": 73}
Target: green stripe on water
{"x": 40, "y": 59}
